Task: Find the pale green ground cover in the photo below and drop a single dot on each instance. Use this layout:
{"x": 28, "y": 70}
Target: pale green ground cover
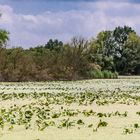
{"x": 101, "y": 109}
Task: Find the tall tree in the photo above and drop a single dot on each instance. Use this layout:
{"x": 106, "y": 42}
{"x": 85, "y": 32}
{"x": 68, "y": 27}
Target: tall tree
{"x": 54, "y": 45}
{"x": 104, "y": 50}
{"x": 4, "y": 37}
{"x": 130, "y": 59}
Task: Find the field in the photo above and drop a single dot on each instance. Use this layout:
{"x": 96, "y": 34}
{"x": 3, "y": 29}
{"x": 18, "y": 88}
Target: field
{"x": 99, "y": 109}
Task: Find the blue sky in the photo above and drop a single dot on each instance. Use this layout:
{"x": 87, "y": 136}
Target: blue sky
{"x": 38, "y": 6}
{"x": 34, "y": 22}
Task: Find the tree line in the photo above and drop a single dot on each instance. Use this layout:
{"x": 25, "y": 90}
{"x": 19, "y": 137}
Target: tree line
{"x": 109, "y": 54}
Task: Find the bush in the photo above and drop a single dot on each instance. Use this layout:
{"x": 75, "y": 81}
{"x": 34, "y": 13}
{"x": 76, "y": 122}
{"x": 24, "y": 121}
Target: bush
{"x": 102, "y": 74}
{"x": 95, "y": 74}
{"x": 109, "y": 74}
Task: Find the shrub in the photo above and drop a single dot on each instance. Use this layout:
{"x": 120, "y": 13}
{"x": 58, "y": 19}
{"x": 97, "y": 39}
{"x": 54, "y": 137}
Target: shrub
{"x": 102, "y": 74}
{"x": 95, "y": 74}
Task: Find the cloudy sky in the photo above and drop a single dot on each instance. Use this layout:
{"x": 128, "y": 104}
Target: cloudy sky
{"x": 34, "y": 22}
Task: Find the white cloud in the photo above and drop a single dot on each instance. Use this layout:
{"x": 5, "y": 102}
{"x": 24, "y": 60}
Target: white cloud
{"x": 31, "y": 30}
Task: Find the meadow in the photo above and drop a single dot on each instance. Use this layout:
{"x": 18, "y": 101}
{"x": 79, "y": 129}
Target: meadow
{"x": 99, "y": 109}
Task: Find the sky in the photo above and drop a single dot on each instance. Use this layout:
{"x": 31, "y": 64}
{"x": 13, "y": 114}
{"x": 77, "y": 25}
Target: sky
{"x": 34, "y": 22}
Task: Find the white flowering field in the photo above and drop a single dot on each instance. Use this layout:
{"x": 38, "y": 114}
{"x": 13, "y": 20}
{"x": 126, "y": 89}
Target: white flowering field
{"x": 99, "y": 109}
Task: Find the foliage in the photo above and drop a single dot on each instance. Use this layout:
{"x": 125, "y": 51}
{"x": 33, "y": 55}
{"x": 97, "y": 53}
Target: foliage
{"x": 105, "y": 56}
{"x": 102, "y": 74}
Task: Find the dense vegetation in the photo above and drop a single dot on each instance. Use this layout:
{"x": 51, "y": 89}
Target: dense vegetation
{"x": 109, "y": 54}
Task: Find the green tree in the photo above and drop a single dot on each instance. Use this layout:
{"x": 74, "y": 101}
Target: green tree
{"x": 54, "y": 45}
{"x": 103, "y": 50}
{"x": 130, "y": 59}
{"x": 4, "y": 37}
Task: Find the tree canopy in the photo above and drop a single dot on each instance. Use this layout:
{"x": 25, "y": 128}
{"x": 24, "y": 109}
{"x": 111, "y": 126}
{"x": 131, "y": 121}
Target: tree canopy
{"x": 109, "y": 54}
